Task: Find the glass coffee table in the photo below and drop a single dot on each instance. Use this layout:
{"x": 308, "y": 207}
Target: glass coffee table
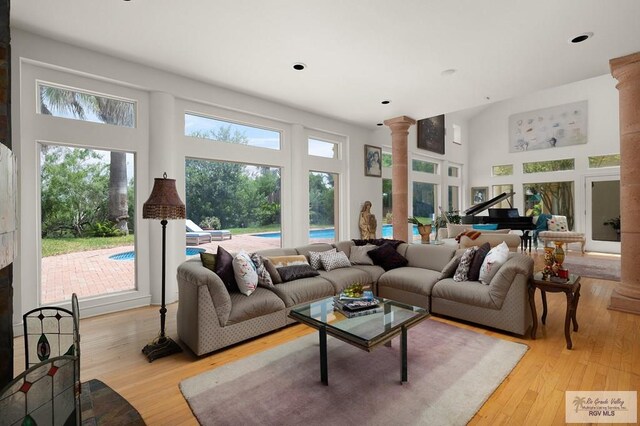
{"x": 365, "y": 332}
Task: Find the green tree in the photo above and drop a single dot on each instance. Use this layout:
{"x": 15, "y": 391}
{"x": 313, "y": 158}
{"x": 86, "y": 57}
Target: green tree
{"x": 73, "y": 183}
{"x": 321, "y": 198}
{"x": 110, "y": 111}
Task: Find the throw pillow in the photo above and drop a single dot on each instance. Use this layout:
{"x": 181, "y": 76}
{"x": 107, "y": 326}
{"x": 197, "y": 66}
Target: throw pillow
{"x": 224, "y": 269}
{"x": 476, "y": 263}
{"x": 557, "y": 224}
{"x": 387, "y": 257}
{"x": 295, "y": 272}
{"x": 314, "y": 258}
{"x": 280, "y": 261}
{"x": 450, "y": 268}
{"x": 360, "y": 255}
{"x": 471, "y": 234}
{"x": 332, "y": 261}
{"x": 208, "y": 260}
{"x": 378, "y": 242}
{"x": 273, "y": 271}
{"x": 245, "y": 273}
{"x": 496, "y": 257}
{"x": 462, "y": 271}
{"x": 264, "y": 278}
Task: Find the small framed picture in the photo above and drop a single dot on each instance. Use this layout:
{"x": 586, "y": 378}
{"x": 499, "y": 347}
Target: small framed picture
{"x": 372, "y": 161}
{"x": 479, "y": 194}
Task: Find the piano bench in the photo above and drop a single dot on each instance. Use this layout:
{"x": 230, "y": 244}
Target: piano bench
{"x": 562, "y": 236}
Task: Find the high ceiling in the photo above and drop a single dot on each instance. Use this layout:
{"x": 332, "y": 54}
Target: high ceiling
{"x": 357, "y": 53}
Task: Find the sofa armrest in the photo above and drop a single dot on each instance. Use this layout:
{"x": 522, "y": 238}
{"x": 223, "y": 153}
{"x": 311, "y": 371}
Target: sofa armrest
{"x": 192, "y": 275}
{"x": 516, "y": 264}
{"x": 442, "y": 233}
{"x": 512, "y": 240}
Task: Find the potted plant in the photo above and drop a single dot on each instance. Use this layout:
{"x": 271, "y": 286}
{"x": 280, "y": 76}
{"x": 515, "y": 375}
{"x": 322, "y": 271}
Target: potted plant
{"x": 424, "y": 227}
{"x": 614, "y": 222}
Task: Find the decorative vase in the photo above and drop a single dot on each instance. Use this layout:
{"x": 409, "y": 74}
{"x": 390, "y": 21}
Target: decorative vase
{"x": 549, "y": 260}
{"x": 425, "y": 233}
{"x": 559, "y": 253}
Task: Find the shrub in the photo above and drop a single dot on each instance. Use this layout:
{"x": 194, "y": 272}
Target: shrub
{"x": 210, "y": 222}
{"x": 105, "y": 229}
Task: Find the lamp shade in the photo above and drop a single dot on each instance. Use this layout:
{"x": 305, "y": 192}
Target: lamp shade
{"x": 164, "y": 201}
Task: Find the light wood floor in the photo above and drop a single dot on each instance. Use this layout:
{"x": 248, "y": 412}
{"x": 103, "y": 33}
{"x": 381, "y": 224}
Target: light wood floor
{"x": 606, "y": 356}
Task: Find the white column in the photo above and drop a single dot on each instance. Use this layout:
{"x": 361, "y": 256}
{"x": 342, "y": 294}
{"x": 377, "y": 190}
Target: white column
{"x": 164, "y": 157}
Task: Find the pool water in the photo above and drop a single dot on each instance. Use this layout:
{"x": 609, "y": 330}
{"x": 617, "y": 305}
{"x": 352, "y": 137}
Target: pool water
{"x": 330, "y": 233}
{"x": 131, "y": 255}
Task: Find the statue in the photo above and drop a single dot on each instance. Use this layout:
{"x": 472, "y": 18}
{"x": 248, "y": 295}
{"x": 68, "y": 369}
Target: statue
{"x": 368, "y": 223}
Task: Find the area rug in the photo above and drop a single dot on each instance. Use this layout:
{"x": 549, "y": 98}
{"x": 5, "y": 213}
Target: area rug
{"x": 594, "y": 267}
{"x": 451, "y": 371}
{"x": 101, "y": 405}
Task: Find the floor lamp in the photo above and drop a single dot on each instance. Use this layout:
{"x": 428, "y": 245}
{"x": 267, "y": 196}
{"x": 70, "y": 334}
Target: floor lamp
{"x": 163, "y": 203}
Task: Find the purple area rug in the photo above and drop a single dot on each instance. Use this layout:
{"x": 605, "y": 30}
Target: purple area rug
{"x": 594, "y": 267}
{"x": 452, "y": 372}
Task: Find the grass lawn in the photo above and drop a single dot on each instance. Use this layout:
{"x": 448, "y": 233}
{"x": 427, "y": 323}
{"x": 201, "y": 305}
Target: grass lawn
{"x": 56, "y": 246}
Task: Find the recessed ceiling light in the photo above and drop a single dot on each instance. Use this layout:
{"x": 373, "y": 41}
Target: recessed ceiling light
{"x": 449, "y": 72}
{"x": 380, "y": 124}
{"x": 487, "y": 98}
{"x": 580, "y": 38}
{"x": 385, "y": 102}
{"x": 299, "y": 66}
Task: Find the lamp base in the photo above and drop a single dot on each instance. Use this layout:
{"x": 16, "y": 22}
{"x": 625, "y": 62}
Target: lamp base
{"x": 161, "y": 347}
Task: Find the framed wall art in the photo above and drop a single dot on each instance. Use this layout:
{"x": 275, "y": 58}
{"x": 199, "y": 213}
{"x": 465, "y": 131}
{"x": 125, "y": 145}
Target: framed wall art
{"x": 562, "y": 125}
{"x": 479, "y": 194}
{"x": 431, "y": 134}
{"x": 372, "y": 161}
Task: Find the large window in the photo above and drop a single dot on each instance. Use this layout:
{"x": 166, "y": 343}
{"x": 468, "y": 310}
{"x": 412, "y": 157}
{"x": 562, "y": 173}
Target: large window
{"x": 85, "y": 106}
{"x": 499, "y": 189}
{"x": 454, "y": 198}
{"x": 87, "y": 222}
{"x": 550, "y": 197}
{"x": 224, "y": 131}
{"x": 240, "y": 198}
{"x": 424, "y": 199}
{"x": 322, "y": 206}
{"x": 424, "y": 166}
{"x": 387, "y": 201}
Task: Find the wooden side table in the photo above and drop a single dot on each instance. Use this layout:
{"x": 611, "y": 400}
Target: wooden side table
{"x": 571, "y": 288}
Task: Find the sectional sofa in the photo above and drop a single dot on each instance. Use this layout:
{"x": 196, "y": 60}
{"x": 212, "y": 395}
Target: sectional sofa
{"x": 210, "y": 317}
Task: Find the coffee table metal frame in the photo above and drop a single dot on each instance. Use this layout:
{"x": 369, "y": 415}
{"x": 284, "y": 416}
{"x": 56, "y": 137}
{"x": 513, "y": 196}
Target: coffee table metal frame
{"x": 321, "y": 316}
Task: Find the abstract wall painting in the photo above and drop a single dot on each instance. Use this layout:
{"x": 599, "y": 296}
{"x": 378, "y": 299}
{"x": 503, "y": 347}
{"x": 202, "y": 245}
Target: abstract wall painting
{"x": 431, "y": 134}
{"x": 559, "y": 126}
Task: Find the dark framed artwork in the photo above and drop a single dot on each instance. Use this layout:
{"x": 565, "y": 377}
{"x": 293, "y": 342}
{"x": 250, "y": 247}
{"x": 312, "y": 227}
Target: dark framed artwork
{"x": 372, "y": 161}
{"x": 479, "y": 194}
{"x": 431, "y": 134}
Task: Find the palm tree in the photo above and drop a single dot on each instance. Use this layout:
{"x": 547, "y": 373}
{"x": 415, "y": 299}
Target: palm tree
{"x": 110, "y": 111}
{"x": 578, "y": 401}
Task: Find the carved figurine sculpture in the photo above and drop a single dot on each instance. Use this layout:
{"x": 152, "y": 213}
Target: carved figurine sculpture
{"x": 367, "y": 222}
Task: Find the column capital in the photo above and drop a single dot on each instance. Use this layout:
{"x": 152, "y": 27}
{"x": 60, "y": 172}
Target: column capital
{"x": 399, "y": 123}
{"x": 625, "y": 67}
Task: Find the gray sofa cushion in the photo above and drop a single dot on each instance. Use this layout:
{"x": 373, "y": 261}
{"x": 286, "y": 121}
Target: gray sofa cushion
{"x": 344, "y": 277}
{"x": 374, "y": 271}
{"x": 469, "y": 292}
{"x": 415, "y": 280}
{"x": 428, "y": 256}
{"x": 303, "y": 290}
{"x": 319, "y": 247}
{"x": 344, "y": 246}
{"x": 261, "y": 302}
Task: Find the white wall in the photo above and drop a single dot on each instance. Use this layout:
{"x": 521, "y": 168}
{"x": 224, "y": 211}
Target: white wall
{"x": 489, "y": 144}
{"x": 167, "y": 91}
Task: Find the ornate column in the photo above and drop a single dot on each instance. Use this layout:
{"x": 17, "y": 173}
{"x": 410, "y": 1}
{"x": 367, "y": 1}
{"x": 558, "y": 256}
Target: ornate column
{"x": 399, "y": 131}
{"x": 626, "y": 69}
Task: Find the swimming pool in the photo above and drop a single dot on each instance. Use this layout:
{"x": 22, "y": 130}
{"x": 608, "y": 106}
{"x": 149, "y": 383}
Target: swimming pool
{"x": 330, "y": 233}
{"x": 131, "y": 255}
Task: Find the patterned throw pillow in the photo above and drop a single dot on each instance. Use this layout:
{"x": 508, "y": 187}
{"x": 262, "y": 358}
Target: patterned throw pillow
{"x": 493, "y": 261}
{"x": 360, "y": 255}
{"x": 314, "y": 258}
{"x": 245, "y": 273}
{"x": 264, "y": 278}
{"x": 280, "y": 261}
{"x": 334, "y": 260}
{"x": 462, "y": 272}
{"x": 557, "y": 224}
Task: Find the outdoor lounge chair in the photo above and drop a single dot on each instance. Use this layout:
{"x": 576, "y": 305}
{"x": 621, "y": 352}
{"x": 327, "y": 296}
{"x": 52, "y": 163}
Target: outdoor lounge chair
{"x": 216, "y": 234}
{"x": 198, "y": 238}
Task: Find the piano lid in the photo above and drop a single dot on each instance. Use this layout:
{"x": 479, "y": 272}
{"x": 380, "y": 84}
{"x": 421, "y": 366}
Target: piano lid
{"x": 480, "y": 207}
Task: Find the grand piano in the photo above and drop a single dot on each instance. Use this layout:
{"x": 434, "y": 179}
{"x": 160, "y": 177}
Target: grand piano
{"x": 506, "y": 218}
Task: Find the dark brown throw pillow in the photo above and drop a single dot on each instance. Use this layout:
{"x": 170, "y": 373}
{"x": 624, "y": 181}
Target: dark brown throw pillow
{"x": 476, "y": 263}
{"x": 387, "y": 257}
{"x": 378, "y": 242}
{"x": 295, "y": 272}
{"x": 208, "y": 260}
{"x": 224, "y": 269}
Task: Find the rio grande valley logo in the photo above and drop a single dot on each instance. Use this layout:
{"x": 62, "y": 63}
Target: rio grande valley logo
{"x": 601, "y": 407}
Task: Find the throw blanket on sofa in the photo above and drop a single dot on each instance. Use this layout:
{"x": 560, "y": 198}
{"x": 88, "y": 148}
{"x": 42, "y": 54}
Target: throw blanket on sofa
{"x": 471, "y": 234}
